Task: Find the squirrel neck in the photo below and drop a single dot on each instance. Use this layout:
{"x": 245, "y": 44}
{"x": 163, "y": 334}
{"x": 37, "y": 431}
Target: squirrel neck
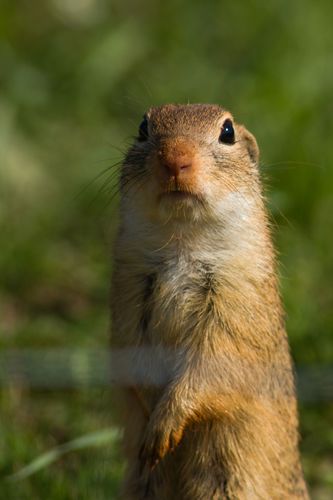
{"x": 237, "y": 242}
{"x": 232, "y": 254}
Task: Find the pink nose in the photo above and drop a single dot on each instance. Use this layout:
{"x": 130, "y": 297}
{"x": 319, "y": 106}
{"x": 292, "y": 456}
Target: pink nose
{"x": 176, "y": 166}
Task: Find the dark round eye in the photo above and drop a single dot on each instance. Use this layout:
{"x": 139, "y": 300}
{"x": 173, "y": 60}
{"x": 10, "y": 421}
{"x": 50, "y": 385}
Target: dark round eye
{"x": 143, "y": 130}
{"x": 227, "y": 135}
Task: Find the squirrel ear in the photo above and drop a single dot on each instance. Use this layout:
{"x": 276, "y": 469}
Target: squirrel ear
{"x": 251, "y": 144}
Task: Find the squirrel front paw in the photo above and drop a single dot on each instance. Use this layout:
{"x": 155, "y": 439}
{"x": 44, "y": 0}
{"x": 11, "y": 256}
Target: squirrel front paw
{"x": 162, "y": 436}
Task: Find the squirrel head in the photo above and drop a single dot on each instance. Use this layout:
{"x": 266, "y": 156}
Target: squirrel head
{"x": 186, "y": 162}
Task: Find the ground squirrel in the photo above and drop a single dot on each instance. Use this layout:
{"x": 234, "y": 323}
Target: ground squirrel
{"x": 210, "y": 401}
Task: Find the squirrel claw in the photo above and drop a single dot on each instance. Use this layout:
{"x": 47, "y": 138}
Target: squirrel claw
{"x": 155, "y": 448}
{"x": 148, "y": 459}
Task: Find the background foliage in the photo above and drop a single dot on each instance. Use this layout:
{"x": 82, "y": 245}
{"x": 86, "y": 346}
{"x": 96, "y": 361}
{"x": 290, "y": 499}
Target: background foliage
{"x": 75, "y": 79}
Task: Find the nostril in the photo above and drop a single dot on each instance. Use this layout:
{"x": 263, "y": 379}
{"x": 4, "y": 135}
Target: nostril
{"x": 171, "y": 168}
{"x": 175, "y": 168}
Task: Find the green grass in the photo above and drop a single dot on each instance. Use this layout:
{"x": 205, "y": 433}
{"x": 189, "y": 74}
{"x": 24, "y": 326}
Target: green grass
{"x": 75, "y": 79}
{"x": 35, "y": 424}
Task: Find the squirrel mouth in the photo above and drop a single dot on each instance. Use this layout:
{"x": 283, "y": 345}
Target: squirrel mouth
{"x": 178, "y": 192}
{"x": 180, "y": 195}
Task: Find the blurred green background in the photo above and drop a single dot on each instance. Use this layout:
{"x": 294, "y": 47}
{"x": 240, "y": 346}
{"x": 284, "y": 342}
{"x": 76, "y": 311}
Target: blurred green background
{"x": 75, "y": 79}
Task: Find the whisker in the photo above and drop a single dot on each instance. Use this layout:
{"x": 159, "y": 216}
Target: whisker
{"x": 125, "y": 187}
{"x": 111, "y": 180}
{"x": 113, "y": 167}
{"x": 117, "y": 148}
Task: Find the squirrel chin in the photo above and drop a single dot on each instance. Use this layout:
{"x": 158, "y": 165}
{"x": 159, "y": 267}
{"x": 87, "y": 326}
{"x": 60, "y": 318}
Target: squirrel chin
{"x": 181, "y": 205}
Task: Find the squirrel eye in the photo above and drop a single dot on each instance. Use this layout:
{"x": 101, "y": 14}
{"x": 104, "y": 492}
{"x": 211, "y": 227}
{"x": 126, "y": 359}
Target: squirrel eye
{"x": 143, "y": 130}
{"x": 227, "y": 135}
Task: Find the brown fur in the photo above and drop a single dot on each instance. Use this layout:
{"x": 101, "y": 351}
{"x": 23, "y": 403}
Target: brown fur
{"x": 211, "y": 407}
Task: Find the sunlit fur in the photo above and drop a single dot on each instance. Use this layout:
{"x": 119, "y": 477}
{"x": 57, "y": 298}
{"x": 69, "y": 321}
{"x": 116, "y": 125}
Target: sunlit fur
{"x": 195, "y": 280}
